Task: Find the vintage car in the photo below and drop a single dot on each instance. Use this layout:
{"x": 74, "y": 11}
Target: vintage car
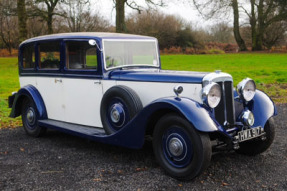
{"x": 110, "y": 88}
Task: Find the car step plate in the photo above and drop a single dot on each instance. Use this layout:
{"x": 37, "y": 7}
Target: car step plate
{"x": 248, "y": 134}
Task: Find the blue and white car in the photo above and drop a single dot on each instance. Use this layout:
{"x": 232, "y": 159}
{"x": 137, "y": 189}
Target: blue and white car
{"x": 110, "y": 88}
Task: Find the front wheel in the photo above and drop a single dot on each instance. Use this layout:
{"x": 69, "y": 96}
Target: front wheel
{"x": 30, "y": 119}
{"x": 257, "y": 146}
{"x": 182, "y": 151}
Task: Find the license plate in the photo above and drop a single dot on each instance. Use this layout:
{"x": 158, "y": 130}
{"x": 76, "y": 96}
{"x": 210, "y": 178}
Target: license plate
{"x": 250, "y": 134}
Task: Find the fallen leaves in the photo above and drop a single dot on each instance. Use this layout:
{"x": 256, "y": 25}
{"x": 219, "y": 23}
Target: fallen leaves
{"x": 141, "y": 169}
{"x": 4, "y": 153}
{"x": 97, "y": 180}
{"x": 224, "y": 184}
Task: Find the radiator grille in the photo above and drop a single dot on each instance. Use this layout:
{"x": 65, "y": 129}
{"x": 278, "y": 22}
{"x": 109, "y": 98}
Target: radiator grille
{"x": 224, "y": 112}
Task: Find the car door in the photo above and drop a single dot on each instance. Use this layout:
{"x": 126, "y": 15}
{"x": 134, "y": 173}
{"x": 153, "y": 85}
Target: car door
{"x": 49, "y": 78}
{"x": 82, "y": 83}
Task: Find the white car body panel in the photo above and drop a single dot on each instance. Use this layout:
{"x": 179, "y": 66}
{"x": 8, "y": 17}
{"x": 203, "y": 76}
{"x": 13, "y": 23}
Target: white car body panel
{"x": 78, "y": 101}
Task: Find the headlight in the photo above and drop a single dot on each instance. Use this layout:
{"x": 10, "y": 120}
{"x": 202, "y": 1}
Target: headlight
{"x": 246, "y": 89}
{"x": 248, "y": 118}
{"x": 211, "y": 94}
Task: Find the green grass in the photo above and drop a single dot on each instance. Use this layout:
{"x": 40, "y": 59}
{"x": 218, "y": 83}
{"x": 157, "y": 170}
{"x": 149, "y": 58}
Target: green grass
{"x": 9, "y": 82}
{"x": 263, "y": 68}
{"x": 268, "y": 70}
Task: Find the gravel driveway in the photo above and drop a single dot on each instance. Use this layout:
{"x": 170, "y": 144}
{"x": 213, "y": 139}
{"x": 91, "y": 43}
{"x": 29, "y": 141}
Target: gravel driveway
{"x": 62, "y": 162}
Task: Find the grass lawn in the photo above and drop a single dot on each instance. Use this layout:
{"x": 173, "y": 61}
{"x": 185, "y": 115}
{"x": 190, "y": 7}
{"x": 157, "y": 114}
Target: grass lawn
{"x": 268, "y": 70}
{"x": 9, "y": 82}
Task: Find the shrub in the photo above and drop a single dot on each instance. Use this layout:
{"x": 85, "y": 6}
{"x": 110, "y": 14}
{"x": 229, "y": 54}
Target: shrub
{"x": 6, "y": 53}
{"x": 215, "y": 51}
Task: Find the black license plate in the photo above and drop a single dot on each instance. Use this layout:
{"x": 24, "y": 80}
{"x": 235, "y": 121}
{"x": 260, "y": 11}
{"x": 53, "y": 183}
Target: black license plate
{"x": 250, "y": 134}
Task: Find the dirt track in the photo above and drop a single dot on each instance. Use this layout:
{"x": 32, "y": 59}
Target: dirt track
{"x": 62, "y": 162}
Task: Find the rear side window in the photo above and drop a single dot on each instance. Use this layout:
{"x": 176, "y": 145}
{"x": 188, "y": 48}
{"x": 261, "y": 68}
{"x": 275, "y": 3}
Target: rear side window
{"x": 28, "y": 57}
{"x": 81, "y": 55}
{"x": 49, "y": 55}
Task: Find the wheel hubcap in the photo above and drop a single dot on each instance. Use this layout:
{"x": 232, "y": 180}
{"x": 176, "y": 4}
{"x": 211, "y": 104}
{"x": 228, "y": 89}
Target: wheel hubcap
{"x": 175, "y": 147}
{"x": 30, "y": 116}
{"x": 117, "y": 115}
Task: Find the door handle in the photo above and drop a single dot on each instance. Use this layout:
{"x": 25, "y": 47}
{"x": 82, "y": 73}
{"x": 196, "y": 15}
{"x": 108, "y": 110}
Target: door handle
{"x": 58, "y": 80}
{"x": 97, "y": 82}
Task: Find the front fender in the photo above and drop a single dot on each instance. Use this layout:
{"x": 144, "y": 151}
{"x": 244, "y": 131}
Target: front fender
{"x": 31, "y": 92}
{"x": 262, "y": 108}
{"x": 135, "y": 130}
{"x": 194, "y": 112}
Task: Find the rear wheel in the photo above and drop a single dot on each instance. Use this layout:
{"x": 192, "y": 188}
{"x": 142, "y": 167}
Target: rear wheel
{"x": 30, "y": 118}
{"x": 257, "y": 146}
{"x": 182, "y": 151}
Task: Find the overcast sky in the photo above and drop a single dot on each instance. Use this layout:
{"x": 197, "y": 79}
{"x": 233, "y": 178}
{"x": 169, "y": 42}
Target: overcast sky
{"x": 184, "y": 10}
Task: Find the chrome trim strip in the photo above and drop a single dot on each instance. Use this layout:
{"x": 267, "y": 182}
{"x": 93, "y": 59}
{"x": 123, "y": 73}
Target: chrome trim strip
{"x": 224, "y": 103}
{"x": 216, "y": 77}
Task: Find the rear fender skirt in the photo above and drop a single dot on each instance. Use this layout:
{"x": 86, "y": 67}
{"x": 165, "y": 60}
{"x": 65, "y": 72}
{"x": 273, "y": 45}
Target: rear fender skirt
{"x": 31, "y": 92}
{"x": 262, "y": 108}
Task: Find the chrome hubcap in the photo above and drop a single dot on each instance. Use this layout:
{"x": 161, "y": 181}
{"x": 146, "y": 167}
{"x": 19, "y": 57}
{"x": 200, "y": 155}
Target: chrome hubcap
{"x": 175, "y": 147}
{"x": 115, "y": 115}
{"x": 30, "y": 116}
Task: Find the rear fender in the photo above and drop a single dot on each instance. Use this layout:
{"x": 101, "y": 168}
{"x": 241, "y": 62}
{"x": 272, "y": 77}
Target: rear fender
{"x": 32, "y": 93}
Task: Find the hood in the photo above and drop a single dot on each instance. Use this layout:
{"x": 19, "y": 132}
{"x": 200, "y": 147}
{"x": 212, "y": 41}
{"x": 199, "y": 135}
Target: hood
{"x": 153, "y": 75}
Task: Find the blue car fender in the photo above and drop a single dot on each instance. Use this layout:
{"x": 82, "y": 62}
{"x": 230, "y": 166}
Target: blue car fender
{"x": 31, "y": 92}
{"x": 262, "y": 108}
{"x": 193, "y": 111}
{"x": 136, "y": 129}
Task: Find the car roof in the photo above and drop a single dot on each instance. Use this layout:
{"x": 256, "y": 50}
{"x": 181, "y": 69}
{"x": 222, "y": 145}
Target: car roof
{"x": 87, "y": 35}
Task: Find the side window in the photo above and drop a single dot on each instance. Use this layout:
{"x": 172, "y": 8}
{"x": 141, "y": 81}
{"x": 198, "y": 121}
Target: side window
{"x": 49, "y": 55}
{"x": 28, "y": 57}
{"x": 81, "y": 55}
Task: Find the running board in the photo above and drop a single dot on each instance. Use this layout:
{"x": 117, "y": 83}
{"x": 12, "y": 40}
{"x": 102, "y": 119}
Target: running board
{"x": 72, "y": 128}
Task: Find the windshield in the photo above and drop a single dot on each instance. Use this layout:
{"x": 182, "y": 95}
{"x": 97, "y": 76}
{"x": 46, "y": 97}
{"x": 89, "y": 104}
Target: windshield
{"x": 126, "y": 53}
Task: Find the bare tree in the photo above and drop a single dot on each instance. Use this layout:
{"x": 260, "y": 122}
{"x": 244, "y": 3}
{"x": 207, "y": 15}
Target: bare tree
{"x": 120, "y": 11}
{"x": 211, "y": 8}
{"x": 77, "y": 11}
{"x": 8, "y": 24}
{"x": 222, "y": 33}
{"x": 46, "y": 10}
{"x": 265, "y": 13}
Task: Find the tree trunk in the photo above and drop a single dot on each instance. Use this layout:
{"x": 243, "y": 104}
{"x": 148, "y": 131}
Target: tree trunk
{"x": 50, "y": 23}
{"x": 22, "y": 20}
{"x": 253, "y": 24}
{"x": 120, "y": 16}
{"x": 261, "y": 28}
{"x": 236, "y": 29}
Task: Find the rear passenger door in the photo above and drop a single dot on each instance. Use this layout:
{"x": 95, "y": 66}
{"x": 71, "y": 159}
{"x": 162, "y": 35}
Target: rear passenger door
{"x": 49, "y": 78}
{"x": 82, "y": 83}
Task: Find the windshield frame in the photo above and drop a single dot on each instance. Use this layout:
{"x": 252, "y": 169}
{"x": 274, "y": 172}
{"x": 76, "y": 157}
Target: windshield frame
{"x": 138, "y": 65}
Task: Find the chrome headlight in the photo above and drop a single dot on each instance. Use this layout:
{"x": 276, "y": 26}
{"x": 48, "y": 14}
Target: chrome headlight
{"x": 211, "y": 94}
{"x": 248, "y": 118}
{"x": 246, "y": 89}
